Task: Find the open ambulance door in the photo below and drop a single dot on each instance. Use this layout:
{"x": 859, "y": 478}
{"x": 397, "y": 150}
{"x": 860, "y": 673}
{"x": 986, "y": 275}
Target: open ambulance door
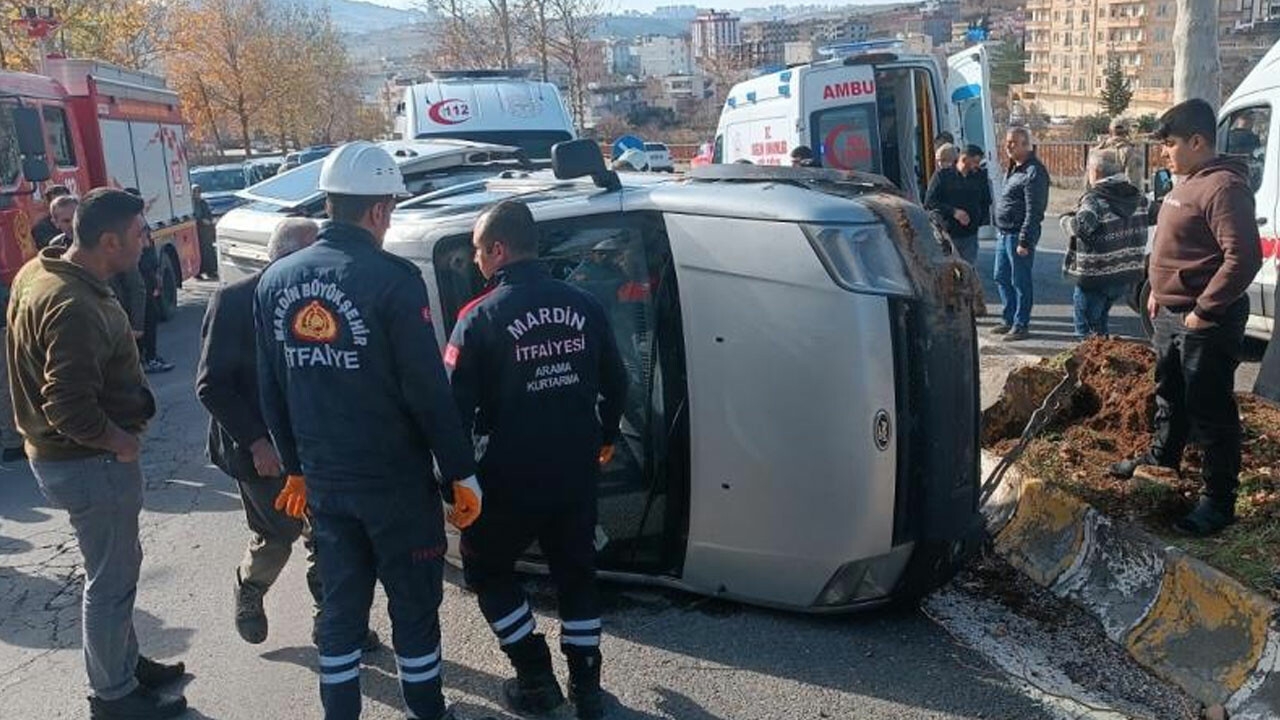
{"x": 969, "y": 99}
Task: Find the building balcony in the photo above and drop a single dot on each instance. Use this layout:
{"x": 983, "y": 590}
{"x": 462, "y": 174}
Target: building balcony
{"x": 1125, "y": 46}
{"x": 1125, "y": 22}
{"x": 1039, "y": 5}
{"x": 1038, "y": 24}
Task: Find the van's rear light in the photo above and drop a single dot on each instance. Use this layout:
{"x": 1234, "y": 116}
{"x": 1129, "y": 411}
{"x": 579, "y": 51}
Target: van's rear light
{"x": 861, "y": 258}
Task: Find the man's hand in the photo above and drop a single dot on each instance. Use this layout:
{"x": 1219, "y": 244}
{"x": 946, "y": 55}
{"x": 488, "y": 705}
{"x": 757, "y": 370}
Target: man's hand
{"x": 1023, "y": 251}
{"x": 1153, "y": 307}
{"x": 1195, "y": 322}
{"x": 127, "y": 447}
{"x": 265, "y": 460}
{"x": 961, "y": 216}
{"x": 606, "y": 455}
{"x": 292, "y": 500}
{"x": 467, "y": 499}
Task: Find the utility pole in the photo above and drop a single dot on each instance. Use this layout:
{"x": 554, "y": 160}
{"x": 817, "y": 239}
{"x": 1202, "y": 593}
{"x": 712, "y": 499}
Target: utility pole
{"x": 1197, "y": 69}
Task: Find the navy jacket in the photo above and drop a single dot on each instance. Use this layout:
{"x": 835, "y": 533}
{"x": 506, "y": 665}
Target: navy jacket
{"x": 227, "y": 379}
{"x": 536, "y": 369}
{"x": 352, "y": 385}
{"x": 1022, "y": 202}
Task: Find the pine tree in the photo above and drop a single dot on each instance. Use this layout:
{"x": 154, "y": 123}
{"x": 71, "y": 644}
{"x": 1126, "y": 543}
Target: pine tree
{"x": 1116, "y": 92}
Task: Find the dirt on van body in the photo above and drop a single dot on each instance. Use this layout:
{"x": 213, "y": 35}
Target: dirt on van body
{"x": 1109, "y": 417}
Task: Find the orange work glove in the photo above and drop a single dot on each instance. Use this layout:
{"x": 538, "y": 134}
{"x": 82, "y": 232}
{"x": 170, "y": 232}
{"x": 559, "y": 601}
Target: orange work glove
{"x": 292, "y": 500}
{"x": 466, "y": 503}
{"x": 606, "y": 455}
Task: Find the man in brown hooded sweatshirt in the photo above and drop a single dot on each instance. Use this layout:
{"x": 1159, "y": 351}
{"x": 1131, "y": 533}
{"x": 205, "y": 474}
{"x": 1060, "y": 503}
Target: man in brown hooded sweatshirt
{"x": 1205, "y": 255}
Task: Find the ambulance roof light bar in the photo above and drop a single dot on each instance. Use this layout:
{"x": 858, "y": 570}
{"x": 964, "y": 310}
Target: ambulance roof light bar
{"x": 854, "y": 48}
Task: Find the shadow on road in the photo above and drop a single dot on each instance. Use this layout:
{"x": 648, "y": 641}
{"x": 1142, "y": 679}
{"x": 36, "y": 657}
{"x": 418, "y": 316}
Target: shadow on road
{"x": 42, "y": 613}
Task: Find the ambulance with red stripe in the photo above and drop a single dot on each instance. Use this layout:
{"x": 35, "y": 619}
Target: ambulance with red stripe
{"x": 869, "y": 107}
{"x": 1249, "y": 128}
{"x": 88, "y": 124}
{"x": 501, "y": 107}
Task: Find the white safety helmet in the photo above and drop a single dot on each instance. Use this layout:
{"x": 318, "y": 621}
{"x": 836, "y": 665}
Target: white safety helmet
{"x": 361, "y": 168}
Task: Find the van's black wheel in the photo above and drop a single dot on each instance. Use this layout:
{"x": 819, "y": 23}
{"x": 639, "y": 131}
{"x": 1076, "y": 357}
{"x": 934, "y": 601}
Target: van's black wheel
{"x": 169, "y": 281}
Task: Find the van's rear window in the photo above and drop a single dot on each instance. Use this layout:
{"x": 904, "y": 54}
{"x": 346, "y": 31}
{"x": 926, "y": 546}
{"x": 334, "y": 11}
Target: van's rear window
{"x": 290, "y": 187}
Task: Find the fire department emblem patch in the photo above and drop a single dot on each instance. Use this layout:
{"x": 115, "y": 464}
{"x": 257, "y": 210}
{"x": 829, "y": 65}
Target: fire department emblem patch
{"x": 315, "y": 323}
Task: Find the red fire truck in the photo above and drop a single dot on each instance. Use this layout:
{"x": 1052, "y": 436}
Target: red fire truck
{"x": 88, "y": 124}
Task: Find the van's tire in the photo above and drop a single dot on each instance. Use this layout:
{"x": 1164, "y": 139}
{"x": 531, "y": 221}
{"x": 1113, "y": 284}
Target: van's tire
{"x": 170, "y": 279}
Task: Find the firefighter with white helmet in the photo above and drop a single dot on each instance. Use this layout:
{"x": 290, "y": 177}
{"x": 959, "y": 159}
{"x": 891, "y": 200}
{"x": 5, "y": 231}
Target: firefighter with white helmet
{"x": 356, "y": 397}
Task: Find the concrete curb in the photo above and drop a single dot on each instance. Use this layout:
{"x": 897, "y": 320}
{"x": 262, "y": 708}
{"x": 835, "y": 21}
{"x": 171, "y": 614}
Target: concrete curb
{"x": 1180, "y": 618}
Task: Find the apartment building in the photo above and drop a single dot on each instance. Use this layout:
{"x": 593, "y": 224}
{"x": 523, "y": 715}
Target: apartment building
{"x": 1071, "y": 42}
{"x": 714, "y": 34}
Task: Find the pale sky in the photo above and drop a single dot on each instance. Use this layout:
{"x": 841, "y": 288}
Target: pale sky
{"x": 649, "y": 5}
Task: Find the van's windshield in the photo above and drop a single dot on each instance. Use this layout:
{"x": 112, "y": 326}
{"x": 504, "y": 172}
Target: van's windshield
{"x": 535, "y": 143}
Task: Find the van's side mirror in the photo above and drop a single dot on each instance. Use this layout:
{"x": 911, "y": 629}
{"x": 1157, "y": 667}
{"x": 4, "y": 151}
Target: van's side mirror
{"x": 582, "y": 158}
{"x": 35, "y": 168}
{"x": 1161, "y": 184}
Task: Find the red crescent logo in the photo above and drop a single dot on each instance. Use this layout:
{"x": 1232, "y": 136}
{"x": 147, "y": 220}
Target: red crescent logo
{"x": 449, "y": 112}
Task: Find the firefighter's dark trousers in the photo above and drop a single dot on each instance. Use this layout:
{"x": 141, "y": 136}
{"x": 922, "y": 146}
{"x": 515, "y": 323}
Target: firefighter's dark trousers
{"x": 397, "y": 538}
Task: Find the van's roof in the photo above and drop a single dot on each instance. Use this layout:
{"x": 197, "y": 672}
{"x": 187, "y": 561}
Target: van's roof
{"x": 756, "y": 193}
{"x": 1262, "y": 77}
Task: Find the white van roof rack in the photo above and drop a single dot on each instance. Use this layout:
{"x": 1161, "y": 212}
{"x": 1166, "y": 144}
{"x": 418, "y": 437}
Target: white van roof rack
{"x": 493, "y": 74}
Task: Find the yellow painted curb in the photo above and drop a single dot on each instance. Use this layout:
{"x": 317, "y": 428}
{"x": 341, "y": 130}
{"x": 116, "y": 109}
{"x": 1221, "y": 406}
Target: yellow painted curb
{"x": 1046, "y": 532}
{"x": 1206, "y": 631}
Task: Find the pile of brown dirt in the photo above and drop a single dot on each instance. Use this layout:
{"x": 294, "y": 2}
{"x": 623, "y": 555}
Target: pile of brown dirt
{"x": 1109, "y": 418}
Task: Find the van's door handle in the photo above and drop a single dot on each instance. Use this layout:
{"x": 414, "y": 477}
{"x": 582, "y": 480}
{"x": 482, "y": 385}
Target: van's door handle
{"x": 1262, "y": 221}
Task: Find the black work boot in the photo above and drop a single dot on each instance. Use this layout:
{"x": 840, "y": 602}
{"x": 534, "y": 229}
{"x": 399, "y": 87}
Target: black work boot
{"x": 584, "y": 682}
{"x": 1126, "y": 468}
{"x": 251, "y": 619}
{"x": 534, "y": 690}
{"x": 1210, "y": 516}
{"x": 156, "y": 675}
{"x": 141, "y": 704}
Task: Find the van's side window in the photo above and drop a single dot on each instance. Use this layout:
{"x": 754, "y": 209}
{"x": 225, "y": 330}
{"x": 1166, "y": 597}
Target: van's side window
{"x": 58, "y": 131}
{"x": 1244, "y": 135}
{"x": 10, "y": 160}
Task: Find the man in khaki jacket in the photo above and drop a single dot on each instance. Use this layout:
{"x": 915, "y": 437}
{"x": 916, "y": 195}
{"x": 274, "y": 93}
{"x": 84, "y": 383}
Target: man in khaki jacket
{"x": 80, "y": 403}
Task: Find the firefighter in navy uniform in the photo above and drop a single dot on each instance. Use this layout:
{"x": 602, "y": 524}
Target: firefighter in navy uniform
{"x": 356, "y": 397}
{"x": 536, "y": 369}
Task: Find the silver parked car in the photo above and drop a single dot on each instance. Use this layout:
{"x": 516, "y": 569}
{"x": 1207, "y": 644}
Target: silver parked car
{"x": 802, "y": 428}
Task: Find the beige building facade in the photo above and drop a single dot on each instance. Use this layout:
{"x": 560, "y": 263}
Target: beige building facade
{"x": 1070, "y": 43}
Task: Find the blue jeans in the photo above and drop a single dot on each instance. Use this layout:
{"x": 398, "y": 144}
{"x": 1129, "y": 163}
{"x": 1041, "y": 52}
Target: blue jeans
{"x": 1013, "y": 279}
{"x": 1092, "y": 308}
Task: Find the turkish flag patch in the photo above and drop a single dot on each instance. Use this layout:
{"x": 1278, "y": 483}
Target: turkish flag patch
{"x": 426, "y": 313}
{"x": 451, "y": 355}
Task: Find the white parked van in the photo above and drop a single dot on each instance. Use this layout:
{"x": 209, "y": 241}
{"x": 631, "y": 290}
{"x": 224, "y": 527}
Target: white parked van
{"x": 869, "y": 107}
{"x": 1249, "y": 127}
{"x": 502, "y": 107}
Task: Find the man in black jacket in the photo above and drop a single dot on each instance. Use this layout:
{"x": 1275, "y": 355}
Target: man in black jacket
{"x": 961, "y": 197}
{"x": 1019, "y": 214}
{"x": 239, "y": 444}
{"x": 536, "y": 369}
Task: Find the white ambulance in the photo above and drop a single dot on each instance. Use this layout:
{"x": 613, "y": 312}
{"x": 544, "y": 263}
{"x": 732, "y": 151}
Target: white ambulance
{"x": 868, "y": 107}
{"x": 1249, "y": 127}
{"x": 500, "y": 107}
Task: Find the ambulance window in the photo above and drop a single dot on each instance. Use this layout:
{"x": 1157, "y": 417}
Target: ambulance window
{"x": 10, "y": 160}
{"x": 846, "y": 137}
{"x": 58, "y": 132}
{"x": 1244, "y": 135}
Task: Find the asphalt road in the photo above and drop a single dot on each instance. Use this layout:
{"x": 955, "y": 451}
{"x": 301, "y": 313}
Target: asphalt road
{"x": 668, "y": 655}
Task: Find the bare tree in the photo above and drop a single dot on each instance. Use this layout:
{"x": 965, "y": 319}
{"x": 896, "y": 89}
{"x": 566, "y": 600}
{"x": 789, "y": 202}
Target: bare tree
{"x": 501, "y": 13}
{"x": 535, "y": 32}
{"x": 464, "y": 37}
{"x": 572, "y": 22}
{"x": 1197, "y": 67}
